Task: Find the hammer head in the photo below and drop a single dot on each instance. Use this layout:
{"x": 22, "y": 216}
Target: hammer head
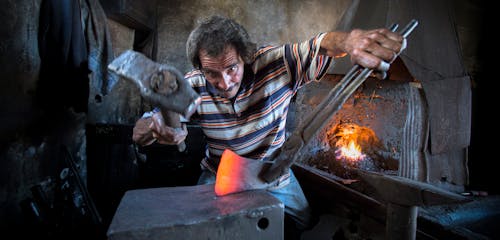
{"x": 160, "y": 84}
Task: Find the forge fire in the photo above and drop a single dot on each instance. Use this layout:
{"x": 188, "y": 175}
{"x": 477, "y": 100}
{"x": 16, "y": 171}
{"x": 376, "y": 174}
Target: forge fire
{"x": 353, "y": 147}
{"x": 352, "y": 143}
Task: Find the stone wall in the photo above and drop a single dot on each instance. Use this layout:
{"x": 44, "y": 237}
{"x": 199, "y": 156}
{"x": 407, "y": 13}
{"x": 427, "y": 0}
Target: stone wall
{"x": 267, "y": 22}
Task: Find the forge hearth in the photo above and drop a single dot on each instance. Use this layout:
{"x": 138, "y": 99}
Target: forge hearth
{"x": 382, "y": 130}
{"x": 384, "y": 120}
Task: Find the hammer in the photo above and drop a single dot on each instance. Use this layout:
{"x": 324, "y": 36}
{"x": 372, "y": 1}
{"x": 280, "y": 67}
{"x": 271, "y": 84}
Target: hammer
{"x": 160, "y": 84}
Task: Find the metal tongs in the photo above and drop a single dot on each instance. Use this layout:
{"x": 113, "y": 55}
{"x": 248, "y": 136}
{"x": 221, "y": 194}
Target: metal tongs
{"x": 321, "y": 115}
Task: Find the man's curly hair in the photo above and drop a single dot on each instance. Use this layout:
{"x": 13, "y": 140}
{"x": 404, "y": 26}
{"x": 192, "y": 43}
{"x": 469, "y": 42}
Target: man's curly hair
{"x": 214, "y": 34}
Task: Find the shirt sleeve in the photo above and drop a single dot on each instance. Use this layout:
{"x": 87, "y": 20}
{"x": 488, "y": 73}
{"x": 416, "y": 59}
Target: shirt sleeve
{"x": 304, "y": 61}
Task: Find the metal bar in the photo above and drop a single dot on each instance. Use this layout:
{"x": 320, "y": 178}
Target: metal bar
{"x": 409, "y": 28}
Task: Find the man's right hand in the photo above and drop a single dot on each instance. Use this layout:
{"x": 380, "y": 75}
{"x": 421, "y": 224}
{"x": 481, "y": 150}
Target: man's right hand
{"x": 148, "y": 130}
{"x": 374, "y": 49}
{"x": 165, "y": 134}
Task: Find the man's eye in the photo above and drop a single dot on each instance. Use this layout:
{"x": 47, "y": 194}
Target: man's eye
{"x": 233, "y": 68}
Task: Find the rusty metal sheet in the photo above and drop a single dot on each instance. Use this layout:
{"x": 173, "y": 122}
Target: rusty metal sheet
{"x": 450, "y": 104}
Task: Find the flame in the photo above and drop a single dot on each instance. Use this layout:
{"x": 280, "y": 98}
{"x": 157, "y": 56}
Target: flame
{"x": 352, "y": 141}
{"x": 351, "y": 152}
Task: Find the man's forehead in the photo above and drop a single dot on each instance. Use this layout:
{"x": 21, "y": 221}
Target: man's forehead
{"x": 228, "y": 57}
{"x": 228, "y": 50}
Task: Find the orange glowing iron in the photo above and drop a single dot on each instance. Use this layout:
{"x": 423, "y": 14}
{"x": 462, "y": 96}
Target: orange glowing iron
{"x": 238, "y": 174}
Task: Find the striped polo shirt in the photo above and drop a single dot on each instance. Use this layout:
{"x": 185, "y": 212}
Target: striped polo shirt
{"x": 252, "y": 124}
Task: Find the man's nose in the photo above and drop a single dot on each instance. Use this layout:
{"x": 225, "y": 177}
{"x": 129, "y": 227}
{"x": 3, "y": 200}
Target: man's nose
{"x": 225, "y": 81}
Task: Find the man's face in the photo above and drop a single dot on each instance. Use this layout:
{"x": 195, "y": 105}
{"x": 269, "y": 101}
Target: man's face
{"x": 224, "y": 72}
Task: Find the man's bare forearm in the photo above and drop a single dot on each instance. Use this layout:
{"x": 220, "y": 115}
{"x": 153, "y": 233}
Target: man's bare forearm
{"x": 333, "y": 44}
